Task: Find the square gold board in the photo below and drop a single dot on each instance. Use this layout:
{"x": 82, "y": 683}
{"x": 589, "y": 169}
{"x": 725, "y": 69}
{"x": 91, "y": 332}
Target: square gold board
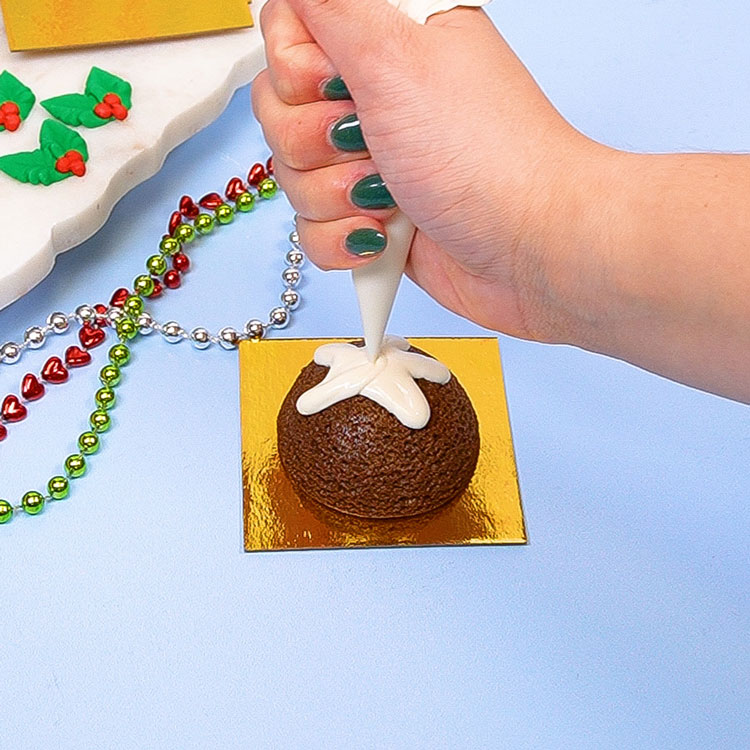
{"x": 48, "y": 24}
{"x": 489, "y": 512}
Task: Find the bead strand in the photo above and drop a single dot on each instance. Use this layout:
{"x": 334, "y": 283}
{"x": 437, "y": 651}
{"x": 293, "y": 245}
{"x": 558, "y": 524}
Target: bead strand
{"x": 127, "y": 315}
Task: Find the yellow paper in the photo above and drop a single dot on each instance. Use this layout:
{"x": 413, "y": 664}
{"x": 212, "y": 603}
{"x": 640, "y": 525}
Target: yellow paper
{"x": 489, "y": 512}
{"x": 46, "y": 24}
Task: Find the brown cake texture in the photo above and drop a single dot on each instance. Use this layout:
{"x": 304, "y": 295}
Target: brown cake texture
{"x": 357, "y": 458}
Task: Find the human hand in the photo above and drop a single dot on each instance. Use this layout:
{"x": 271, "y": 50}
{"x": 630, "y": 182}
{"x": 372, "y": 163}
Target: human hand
{"x": 469, "y": 147}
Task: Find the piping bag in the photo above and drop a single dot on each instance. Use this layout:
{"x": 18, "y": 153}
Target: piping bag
{"x": 377, "y": 283}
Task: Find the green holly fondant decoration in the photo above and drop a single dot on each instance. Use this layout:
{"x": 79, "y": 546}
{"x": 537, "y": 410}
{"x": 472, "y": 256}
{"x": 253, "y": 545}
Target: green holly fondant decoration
{"x": 62, "y": 153}
{"x": 107, "y": 97}
{"x": 16, "y": 101}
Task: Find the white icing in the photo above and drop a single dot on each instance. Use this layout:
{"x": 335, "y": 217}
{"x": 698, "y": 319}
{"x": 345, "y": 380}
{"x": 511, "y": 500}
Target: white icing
{"x": 421, "y": 10}
{"x": 389, "y": 380}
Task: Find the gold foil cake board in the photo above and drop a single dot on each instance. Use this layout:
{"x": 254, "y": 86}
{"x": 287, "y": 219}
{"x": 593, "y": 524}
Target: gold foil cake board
{"x": 489, "y": 512}
{"x": 48, "y": 24}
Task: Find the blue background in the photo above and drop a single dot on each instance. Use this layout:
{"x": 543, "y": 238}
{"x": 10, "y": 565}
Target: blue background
{"x": 131, "y": 618}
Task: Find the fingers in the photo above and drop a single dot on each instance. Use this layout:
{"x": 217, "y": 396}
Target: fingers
{"x": 359, "y": 36}
{"x": 307, "y": 136}
{"x": 336, "y": 192}
{"x": 346, "y": 243}
{"x": 298, "y": 67}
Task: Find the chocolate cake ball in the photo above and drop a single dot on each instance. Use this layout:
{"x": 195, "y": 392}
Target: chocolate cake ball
{"x": 357, "y": 458}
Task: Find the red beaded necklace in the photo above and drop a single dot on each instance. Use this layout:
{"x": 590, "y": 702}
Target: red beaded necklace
{"x": 126, "y": 316}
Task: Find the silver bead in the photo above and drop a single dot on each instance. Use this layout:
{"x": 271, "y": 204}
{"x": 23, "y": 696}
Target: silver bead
{"x": 279, "y": 317}
{"x": 295, "y": 257}
{"x": 10, "y": 353}
{"x": 58, "y": 322}
{"x": 34, "y": 337}
{"x": 145, "y": 323}
{"x": 291, "y": 276}
{"x": 201, "y": 338}
{"x": 228, "y": 337}
{"x": 84, "y": 313}
{"x": 114, "y": 314}
{"x": 255, "y": 329}
{"x": 290, "y": 299}
{"x": 172, "y": 332}
{"x": 294, "y": 237}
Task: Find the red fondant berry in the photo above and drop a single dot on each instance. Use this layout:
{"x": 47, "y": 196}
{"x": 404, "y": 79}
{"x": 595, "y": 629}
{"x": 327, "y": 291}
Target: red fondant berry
{"x": 12, "y": 122}
{"x": 119, "y": 112}
{"x": 9, "y": 108}
{"x": 112, "y": 99}
{"x": 103, "y": 110}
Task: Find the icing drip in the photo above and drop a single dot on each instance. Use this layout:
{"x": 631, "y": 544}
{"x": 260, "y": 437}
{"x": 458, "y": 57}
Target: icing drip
{"x": 421, "y": 10}
{"x": 389, "y": 380}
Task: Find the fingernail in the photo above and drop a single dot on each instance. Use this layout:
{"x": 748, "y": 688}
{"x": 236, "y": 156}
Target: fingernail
{"x": 371, "y": 192}
{"x": 346, "y": 134}
{"x": 363, "y": 242}
{"x": 336, "y": 89}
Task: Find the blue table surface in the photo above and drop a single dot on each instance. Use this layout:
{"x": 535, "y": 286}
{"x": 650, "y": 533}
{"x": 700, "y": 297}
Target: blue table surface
{"x": 131, "y": 618}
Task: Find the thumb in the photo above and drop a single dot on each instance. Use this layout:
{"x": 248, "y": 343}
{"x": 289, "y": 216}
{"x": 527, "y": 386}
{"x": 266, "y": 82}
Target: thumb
{"x": 359, "y": 36}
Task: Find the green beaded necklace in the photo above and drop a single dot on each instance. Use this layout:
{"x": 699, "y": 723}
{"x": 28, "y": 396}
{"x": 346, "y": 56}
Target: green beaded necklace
{"x": 127, "y": 315}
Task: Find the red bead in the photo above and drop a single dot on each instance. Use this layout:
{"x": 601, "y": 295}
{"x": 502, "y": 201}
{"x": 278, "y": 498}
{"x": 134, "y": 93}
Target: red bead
{"x": 211, "y": 201}
{"x": 75, "y": 357}
{"x": 119, "y": 297}
{"x": 174, "y": 221}
{"x": 158, "y": 290}
{"x": 101, "y": 309}
{"x": 54, "y": 371}
{"x": 13, "y": 410}
{"x": 188, "y": 207}
{"x": 256, "y": 175}
{"x": 31, "y": 388}
{"x": 269, "y": 165}
{"x": 3, "y": 433}
{"x": 172, "y": 279}
{"x": 89, "y": 336}
{"x": 235, "y": 188}
{"x": 181, "y": 262}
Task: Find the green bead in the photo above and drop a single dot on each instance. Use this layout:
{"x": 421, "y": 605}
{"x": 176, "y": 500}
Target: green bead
{"x": 88, "y": 443}
{"x": 33, "y": 502}
{"x": 225, "y": 213}
{"x": 126, "y": 329}
{"x": 184, "y": 233}
{"x": 105, "y": 398}
{"x": 144, "y": 285}
{"x": 205, "y": 223}
{"x": 119, "y": 355}
{"x": 169, "y": 246}
{"x": 110, "y": 375}
{"x": 6, "y": 511}
{"x": 156, "y": 265}
{"x": 100, "y": 421}
{"x": 58, "y": 488}
{"x": 134, "y": 304}
{"x": 75, "y": 465}
{"x": 267, "y": 188}
{"x": 245, "y": 202}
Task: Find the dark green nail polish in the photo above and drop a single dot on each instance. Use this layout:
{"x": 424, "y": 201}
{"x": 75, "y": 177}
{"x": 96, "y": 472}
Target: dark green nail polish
{"x": 346, "y": 134}
{"x": 365, "y": 242}
{"x": 336, "y": 89}
{"x": 371, "y": 192}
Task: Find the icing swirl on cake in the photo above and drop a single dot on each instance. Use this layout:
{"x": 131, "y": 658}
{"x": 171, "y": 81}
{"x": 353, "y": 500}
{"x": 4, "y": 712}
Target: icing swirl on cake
{"x": 389, "y": 381}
